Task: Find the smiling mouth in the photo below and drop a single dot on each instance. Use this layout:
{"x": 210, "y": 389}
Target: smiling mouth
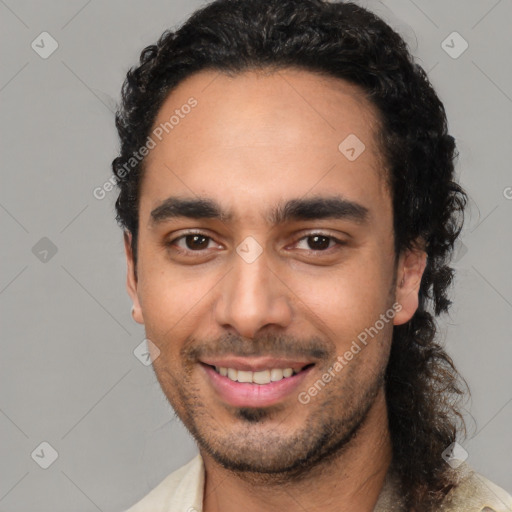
{"x": 255, "y": 383}
{"x": 261, "y": 377}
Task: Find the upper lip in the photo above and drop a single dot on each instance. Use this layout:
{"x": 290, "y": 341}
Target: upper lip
{"x": 255, "y": 364}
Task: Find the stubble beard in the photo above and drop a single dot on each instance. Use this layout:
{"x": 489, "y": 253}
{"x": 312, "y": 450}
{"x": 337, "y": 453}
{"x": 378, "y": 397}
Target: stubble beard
{"x": 266, "y": 456}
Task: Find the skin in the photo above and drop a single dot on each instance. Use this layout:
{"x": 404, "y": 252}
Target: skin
{"x": 255, "y": 140}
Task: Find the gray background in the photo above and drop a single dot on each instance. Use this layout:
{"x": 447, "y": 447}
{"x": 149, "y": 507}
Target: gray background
{"x": 69, "y": 374}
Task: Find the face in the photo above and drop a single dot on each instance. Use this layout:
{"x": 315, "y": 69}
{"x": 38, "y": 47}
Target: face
{"x": 265, "y": 250}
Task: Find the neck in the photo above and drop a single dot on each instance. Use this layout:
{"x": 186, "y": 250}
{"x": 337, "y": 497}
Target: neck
{"x": 351, "y": 480}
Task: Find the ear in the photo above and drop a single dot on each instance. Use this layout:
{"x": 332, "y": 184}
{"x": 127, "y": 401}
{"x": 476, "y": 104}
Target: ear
{"x": 411, "y": 265}
{"x": 131, "y": 278}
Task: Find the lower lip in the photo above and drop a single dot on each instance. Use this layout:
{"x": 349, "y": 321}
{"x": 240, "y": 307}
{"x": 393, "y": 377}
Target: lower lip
{"x": 244, "y": 394}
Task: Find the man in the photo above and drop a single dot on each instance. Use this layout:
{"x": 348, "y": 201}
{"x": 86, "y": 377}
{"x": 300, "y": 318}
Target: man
{"x": 287, "y": 195}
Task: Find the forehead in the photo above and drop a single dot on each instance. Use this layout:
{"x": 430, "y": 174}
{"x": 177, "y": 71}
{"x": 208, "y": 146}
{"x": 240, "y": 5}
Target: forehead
{"x": 260, "y": 135}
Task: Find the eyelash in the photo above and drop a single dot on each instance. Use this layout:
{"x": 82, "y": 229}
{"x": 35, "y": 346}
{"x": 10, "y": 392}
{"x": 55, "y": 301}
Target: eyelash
{"x": 191, "y": 253}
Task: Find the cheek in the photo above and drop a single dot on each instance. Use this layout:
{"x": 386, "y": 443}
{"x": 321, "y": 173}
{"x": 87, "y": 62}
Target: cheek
{"x": 346, "y": 300}
{"x": 175, "y": 301}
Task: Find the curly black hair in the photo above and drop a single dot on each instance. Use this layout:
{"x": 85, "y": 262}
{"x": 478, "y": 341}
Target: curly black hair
{"x": 346, "y": 41}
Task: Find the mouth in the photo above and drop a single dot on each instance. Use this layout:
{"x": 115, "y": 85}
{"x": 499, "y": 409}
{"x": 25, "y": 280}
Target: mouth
{"x": 261, "y": 383}
{"x": 261, "y": 377}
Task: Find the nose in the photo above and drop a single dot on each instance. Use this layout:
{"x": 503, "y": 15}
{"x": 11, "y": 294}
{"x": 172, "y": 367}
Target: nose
{"x": 252, "y": 297}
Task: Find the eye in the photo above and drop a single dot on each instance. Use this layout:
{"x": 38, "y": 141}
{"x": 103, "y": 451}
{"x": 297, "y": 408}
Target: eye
{"x": 318, "y": 242}
{"x": 194, "y": 242}
{"x": 199, "y": 244}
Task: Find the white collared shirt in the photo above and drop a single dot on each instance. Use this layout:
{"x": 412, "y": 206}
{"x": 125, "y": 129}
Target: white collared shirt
{"x": 182, "y": 491}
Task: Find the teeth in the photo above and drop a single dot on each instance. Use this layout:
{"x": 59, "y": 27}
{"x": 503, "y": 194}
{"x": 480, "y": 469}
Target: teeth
{"x": 244, "y": 376}
{"x": 261, "y": 377}
{"x": 276, "y": 374}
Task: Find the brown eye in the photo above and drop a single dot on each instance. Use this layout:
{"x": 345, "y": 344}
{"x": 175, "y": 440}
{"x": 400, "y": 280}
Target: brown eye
{"x": 318, "y": 242}
{"x": 192, "y": 244}
{"x": 192, "y": 248}
{"x": 196, "y": 242}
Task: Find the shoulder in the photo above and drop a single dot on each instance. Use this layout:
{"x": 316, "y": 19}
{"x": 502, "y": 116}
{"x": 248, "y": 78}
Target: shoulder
{"x": 181, "y": 491}
{"x": 475, "y": 493}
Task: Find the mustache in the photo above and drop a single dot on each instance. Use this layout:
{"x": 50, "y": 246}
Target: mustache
{"x": 314, "y": 348}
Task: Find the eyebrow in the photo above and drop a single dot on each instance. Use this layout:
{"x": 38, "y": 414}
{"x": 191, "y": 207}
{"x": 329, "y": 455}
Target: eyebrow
{"x": 333, "y": 207}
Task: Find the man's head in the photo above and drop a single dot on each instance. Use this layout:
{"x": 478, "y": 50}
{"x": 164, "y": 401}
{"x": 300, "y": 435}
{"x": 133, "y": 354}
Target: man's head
{"x": 297, "y": 193}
